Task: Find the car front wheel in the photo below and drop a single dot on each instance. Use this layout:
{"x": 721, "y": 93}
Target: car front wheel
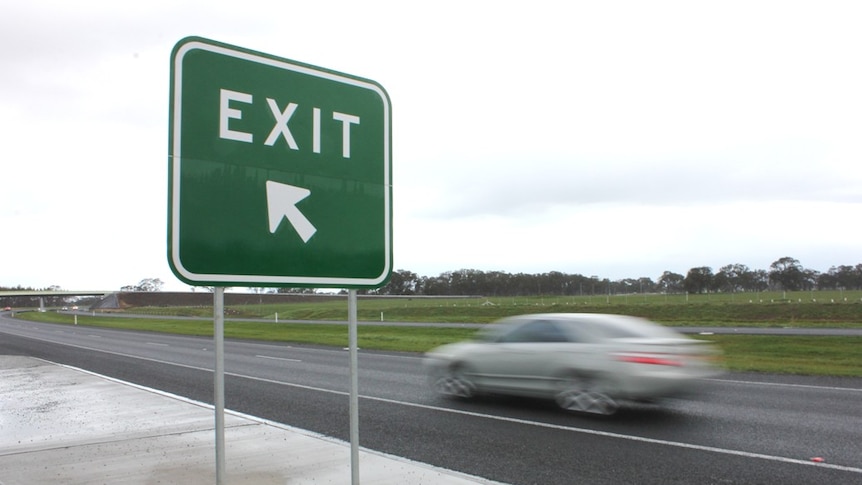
{"x": 455, "y": 383}
{"x": 585, "y": 394}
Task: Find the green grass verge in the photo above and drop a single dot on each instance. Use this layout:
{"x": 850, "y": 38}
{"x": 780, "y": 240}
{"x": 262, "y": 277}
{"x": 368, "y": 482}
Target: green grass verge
{"x": 836, "y": 309}
{"x": 832, "y": 356}
{"x": 816, "y": 355}
{"x": 484, "y": 310}
{"x": 407, "y": 339}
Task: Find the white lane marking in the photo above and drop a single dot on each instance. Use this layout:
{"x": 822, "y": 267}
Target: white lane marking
{"x": 605, "y": 434}
{"x": 158, "y": 344}
{"x": 781, "y": 384}
{"x": 277, "y": 358}
{"x": 641, "y": 439}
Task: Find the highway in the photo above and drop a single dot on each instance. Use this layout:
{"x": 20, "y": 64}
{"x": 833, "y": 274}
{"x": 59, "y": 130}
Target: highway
{"x": 740, "y": 429}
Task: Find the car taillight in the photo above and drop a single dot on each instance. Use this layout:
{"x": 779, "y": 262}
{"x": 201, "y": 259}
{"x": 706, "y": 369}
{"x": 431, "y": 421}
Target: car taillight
{"x": 650, "y": 359}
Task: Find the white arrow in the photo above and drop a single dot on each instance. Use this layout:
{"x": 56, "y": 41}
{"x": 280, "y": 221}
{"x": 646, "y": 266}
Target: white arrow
{"x": 281, "y": 200}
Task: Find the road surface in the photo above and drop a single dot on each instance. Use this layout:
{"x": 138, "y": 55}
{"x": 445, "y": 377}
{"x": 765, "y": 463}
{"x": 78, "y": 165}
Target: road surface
{"x": 740, "y": 429}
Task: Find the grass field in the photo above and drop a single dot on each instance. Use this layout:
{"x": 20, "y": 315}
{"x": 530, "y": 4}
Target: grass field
{"x": 834, "y": 356}
{"x": 821, "y": 309}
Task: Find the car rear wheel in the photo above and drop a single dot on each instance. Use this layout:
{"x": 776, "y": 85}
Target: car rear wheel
{"x": 585, "y": 394}
{"x": 455, "y": 383}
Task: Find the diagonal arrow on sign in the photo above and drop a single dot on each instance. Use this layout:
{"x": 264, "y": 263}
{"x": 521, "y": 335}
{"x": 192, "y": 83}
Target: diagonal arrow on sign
{"x": 281, "y": 200}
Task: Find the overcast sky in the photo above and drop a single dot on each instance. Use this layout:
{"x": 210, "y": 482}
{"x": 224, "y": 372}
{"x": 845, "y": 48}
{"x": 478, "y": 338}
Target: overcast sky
{"x": 616, "y": 139}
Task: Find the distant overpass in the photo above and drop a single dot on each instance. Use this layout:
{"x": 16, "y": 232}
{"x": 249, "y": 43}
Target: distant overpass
{"x": 42, "y": 294}
{"x": 55, "y": 293}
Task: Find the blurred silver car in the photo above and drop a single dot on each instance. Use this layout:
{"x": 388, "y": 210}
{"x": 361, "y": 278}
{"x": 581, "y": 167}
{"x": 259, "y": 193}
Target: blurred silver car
{"x": 586, "y": 362}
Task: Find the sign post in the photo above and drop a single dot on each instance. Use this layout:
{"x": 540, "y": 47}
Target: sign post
{"x": 280, "y": 174}
{"x": 218, "y": 387}
{"x": 354, "y": 387}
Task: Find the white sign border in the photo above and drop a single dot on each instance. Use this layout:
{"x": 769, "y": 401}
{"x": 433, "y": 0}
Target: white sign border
{"x": 256, "y": 280}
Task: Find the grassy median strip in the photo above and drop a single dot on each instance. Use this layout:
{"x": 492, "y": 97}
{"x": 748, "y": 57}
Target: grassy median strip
{"x": 699, "y": 312}
{"x": 827, "y": 355}
{"x": 406, "y": 339}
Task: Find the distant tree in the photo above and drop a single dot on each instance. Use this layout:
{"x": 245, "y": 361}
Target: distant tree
{"x": 300, "y": 291}
{"x": 435, "y": 285}
{"x": 466, "y": 282}
{"x": 843, "y": 277}
{"x": 670, "y": 282}
{"x": 748, "y": 279}
{"x": 699, "y": 280}
{"x": 828, "y": 280}
{"x": 208, "y": 289}
{"x": 646, "y": 285}
{"x": 146, "y": 284}
{"x": 809, "y": 279}
{"x": 402, "y": 282}
{"x": 627, "y": 286}
{"x": 721, "y": 282}
{"x": 499, "y": 283}
{"x": 732, "y": 277}
{"x": 523, "y": 284}
{"x": 759, "y": 280}
{"x": 553, "y": 283}
{"x": 787, "y": 274}
{"x": 261, "y": 290}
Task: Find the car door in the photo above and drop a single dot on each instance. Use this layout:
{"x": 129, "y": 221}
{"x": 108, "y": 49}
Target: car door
{"x": 525, "y": 358}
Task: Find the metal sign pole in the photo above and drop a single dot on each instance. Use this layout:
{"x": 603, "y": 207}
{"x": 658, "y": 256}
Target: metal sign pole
{"x": 354, "y": 388}
{"x": 218, "y": 335}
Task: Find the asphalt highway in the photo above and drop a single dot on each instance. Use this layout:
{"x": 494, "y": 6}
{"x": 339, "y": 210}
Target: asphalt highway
{"x": 740, "y": 429}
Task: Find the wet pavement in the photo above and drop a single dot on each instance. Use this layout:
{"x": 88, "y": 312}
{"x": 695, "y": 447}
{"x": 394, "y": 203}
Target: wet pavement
{"x": 59, "y": 424}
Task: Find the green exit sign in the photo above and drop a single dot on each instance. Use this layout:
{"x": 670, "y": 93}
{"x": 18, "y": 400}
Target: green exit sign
{"x": 280, "y": 173}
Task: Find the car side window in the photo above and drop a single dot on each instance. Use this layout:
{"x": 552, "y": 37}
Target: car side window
{"x": 536, "y": 331}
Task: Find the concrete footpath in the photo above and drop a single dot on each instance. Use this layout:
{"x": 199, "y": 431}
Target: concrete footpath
{"x": 60, "y": 424}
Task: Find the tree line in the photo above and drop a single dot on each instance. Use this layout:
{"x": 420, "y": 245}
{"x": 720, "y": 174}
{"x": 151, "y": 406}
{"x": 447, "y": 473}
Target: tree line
{"x": 783, "y": 274}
